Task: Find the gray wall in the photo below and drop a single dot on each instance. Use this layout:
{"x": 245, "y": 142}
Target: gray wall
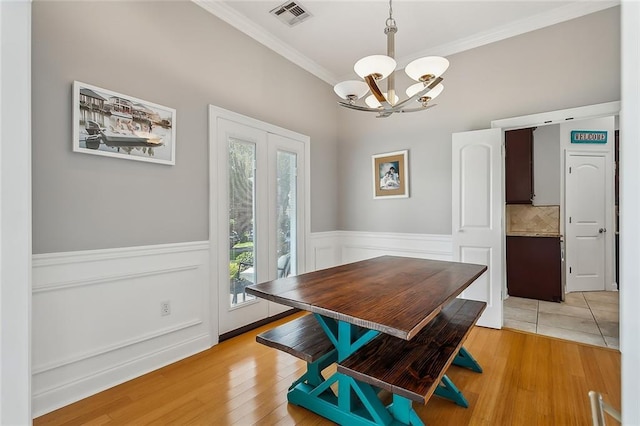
{"x": 562, "y": 66}
{"x": 174, "y": 54}
{"x": 546, "y": 165}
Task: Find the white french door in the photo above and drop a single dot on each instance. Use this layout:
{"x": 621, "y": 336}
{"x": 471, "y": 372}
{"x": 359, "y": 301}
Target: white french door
{"x": 260, "y": 217}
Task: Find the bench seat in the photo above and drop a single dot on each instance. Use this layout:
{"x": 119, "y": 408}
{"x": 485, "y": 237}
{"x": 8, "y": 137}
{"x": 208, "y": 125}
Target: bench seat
{"x": 413, "y": 369}
{"x": 303, "y": 338}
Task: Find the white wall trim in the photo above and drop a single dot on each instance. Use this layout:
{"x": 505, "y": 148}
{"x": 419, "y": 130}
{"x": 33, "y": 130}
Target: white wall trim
{"x": 512, "y": 29}
{"x": 97, "y": 319}
{"x": 110, "y": 278}
{"x": 100, "y": 351}
{"x": 338, "y": 247}
{"x": 49, "y": 399}
{"x": 560, "y": 116}
{"x": 322, "y": 250}
{"x": 15, "y": 212}
{"x": 75, "y": 257}
{"x": 629, "y": 213}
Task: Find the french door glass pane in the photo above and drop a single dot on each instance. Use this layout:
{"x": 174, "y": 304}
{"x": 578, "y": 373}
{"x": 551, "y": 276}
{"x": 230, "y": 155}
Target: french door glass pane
{"x": 286, "y": 214}
{"x": 242, "y": 251}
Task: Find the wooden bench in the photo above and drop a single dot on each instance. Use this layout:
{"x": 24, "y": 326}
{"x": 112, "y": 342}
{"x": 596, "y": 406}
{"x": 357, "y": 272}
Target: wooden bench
{"x": 416, "y": 368}
{"x": 303, "y": 338}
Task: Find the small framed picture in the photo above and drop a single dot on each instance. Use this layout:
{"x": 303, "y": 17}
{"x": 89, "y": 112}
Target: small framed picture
{"x": 391, "y": 175}
{"x": 116, "y": 125}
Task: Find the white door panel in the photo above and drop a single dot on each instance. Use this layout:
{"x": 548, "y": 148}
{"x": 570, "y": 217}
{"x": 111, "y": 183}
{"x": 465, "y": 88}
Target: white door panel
{"x": 477, "y": 212}
{"x": 585, "y": 221}
{"x": 475, "y": 197}
{"x": 481, "y": 288}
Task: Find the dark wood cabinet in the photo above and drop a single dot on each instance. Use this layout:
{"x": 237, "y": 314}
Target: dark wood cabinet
{"x": 534, "y": 268}
{"x": 519, "y": 166}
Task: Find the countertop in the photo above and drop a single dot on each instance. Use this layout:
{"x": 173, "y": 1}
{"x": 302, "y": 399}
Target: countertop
{"x": 533, "y": 234}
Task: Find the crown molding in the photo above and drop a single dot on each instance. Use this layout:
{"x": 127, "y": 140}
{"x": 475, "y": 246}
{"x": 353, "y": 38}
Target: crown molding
{"x": 541, "y": 20}
{"x": 241, "y": 23}
{"x": 515, "y": 28}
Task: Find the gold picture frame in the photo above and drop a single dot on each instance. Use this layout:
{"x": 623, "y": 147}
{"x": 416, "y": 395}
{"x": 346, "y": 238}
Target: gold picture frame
{"x": 391, "y": 175}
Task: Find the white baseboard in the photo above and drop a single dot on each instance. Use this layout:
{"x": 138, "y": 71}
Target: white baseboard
{"x": 97, "y": 322}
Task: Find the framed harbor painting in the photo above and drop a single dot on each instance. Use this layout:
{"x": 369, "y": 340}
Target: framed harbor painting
{"x": 116, "y": 125}
{"x": 391, "y": 175}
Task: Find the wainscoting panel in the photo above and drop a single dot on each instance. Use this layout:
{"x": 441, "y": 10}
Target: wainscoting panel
{"x": 96, "y": 314}
{"x": 357, "y": 246}
{"x": 97, "y": 317}
{"x": 323, "y": 249}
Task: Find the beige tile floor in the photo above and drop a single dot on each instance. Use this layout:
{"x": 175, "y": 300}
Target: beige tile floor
{"x": 587, "y": 317}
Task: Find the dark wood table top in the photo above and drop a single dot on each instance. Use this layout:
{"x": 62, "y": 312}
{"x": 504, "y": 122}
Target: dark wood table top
{"x": 394, "y": 295}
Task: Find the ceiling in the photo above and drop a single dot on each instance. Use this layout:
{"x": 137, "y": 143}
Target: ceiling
{"x": 338, "y": 33}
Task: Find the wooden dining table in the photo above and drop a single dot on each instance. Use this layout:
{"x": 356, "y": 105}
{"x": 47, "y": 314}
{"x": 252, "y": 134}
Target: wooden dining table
{"x": 356, "y": 302}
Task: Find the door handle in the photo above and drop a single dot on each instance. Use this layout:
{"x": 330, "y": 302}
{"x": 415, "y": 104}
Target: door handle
{"x": 602, "y": 230}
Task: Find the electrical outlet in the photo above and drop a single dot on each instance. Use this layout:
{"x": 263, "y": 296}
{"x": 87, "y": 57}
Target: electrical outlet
{"x": 165, "y": 308}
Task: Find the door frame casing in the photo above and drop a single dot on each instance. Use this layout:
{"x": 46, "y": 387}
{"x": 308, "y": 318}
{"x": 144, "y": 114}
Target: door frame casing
{"x": 608, "y": 150}
{"x": 606, "y": 109}
{"x": 215, "y": 113}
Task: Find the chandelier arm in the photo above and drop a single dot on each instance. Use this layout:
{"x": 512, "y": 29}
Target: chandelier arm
{"x": 375, "y": 90}
{"x": 421, "y": 93}
{"x": 416, "y": 109}
{"x": 358, "y": 107}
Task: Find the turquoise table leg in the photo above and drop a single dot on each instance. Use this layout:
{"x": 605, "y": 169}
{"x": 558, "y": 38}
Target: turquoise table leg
{"x": 402, "y": 410}
{"x": 464, "y": 359}
{"x": 446, "y": 389}
{"x": 355, "y": 403}
{"x": 313, "y": 375}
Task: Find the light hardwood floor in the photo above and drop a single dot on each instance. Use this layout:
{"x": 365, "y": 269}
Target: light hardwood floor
{"x": 528, "y": 379}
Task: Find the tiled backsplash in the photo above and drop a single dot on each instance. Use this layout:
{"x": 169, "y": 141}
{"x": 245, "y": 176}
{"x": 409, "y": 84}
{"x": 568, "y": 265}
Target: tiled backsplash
{"x": 525, "y": 218}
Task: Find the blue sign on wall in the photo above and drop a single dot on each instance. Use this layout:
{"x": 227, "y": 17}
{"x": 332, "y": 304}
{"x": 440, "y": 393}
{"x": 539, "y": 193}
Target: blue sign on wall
{"x": 589, "y": 136}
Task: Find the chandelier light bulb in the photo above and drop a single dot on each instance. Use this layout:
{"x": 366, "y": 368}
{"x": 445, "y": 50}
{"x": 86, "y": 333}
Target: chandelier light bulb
{"x": 351, "y": 90}
{"x": 418, "y": 87}
{"x": 427, "y": 68}
{"x": 373, "y": 102}
{"x": 380, "y": 66}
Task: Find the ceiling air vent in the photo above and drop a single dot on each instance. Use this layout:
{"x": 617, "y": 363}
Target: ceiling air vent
{"x": 291, "y": 13}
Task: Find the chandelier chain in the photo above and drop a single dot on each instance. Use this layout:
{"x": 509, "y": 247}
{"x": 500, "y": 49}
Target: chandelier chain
{"x": 390, "y": 23}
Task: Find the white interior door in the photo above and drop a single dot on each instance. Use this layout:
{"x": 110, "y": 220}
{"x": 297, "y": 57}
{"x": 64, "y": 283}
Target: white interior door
{"x": 585, "y": 225}
{"x": 477, "y": 212}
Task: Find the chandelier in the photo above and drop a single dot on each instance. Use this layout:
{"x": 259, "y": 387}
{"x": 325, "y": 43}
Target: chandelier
{"x": 373, "y": 69}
